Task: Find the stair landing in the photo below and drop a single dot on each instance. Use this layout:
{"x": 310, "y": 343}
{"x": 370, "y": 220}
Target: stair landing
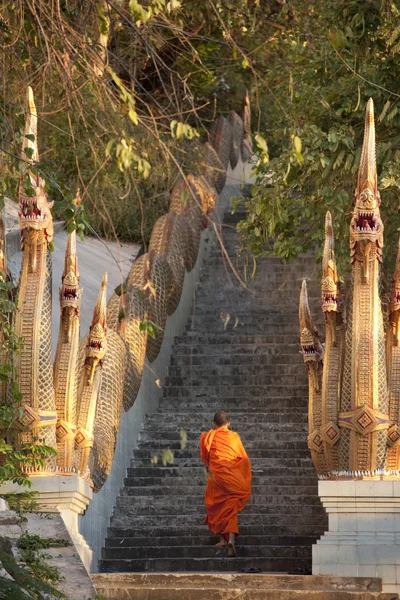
{"x": 231, "y": 586}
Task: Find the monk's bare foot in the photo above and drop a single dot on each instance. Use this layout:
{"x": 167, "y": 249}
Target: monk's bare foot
{"x": 222, "y": 541}
{"x": 231, "y": 545}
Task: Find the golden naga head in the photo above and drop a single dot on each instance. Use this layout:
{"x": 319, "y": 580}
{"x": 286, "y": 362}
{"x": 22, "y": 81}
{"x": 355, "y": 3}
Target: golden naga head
{"x": 97, "y": 339}
{"x": 70, "y": 293}
{"x": 35, "y": 218}
{"x": 366, "y": 224}
{"x": 330, "y": 287}
{"x": 311, "y": 347}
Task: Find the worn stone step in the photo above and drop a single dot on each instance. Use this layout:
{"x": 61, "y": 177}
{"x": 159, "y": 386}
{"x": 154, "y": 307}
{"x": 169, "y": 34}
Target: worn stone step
{"x": 170, "y": 431}
{"x": 208, "y": 540}
{"x": 225, "y": 339}
{"x": 175, "y": 471}
{"x": 263, "y": 378}
{"x": 156, "y": 491}
{"x": 186, "y": 362}
{"x": 279, "y": 371}
{"x": 129, "y": 507}
{"x": 253, "y": 392}
{"x": 195, "y": 502}
{"x": 204, "y": 564}
{"x": 223, "y": 586}
{"x": 205, "y": 552}
{"x": 160, "y": 483}
{"x": 272, "y": 438}
{"x": 226, "y": 350}
{"x": 256, "y": 463}
{"x": 248, "y": 419}
{"x": 192, "y": 456}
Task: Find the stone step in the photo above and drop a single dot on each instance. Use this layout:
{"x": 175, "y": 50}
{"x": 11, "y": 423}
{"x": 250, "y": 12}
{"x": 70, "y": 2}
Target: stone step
{"x": 195, "y": 531}
{"x": 287, "y": 414}
{"x": 129, "y": 507}
{"x": 183, "y": 490}
{"x": 186, "y": 457}
{"x": 208, "y": 540}
{"x": 235, "y": 391}
{"x": 268, "y": 360}
{"x": 256, "y": 463}
{"x": 224, "y": 586}
{"x": 186, "y": 347}
{"x": 203, "y": 564}
{"x": 263, "y": 377}
{"x": 169, "y": 431}
{"x": 182, "y": 471}
{"x": 195, "y": 501}
{"x": 280, "y": 371}
{"x": 272, "y": 438}
{"x": 141, "y": 482}
{"x": 225, "y": 339}
{"x": 205, "y": 552}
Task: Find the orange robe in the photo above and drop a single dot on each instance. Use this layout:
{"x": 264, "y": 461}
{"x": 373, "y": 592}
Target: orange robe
{"x": 229, "y": 481}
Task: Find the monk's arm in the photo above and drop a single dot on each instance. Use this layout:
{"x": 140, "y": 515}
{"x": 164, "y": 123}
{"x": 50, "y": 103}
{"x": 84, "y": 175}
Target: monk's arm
{"x": 203, "y": 451}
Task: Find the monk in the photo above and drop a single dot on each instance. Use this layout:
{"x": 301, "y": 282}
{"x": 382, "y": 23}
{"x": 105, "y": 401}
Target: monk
{"x": 229, "y": 480}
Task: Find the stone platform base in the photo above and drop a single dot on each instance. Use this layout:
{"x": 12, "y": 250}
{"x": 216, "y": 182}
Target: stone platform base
{"x": 363, "y": 537}
{"x": 231, "y": 586}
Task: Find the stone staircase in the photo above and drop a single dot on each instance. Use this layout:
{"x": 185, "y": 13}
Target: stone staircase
{"x": 251, "y": 367}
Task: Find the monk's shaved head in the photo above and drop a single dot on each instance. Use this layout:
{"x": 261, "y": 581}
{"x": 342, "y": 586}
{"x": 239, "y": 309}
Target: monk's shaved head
{"x": 221, "y": 418}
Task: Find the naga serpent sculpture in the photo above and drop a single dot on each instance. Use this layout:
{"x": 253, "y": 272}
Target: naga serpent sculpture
{"x": 354, "y": 381}
{"x": 75, "y": 405}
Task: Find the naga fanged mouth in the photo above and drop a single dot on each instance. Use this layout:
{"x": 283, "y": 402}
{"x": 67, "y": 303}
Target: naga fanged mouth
{"x": 69, "y": 295}
{"x": 365, "y": 222}
{"x": 329, "y": 299}
{"x": 30, "y": 212}
{"x": 309, "y": 350}
{"x": 93, "y": 345}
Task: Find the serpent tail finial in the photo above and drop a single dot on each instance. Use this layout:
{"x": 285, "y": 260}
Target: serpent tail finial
{"x": 30, "y": 138}
{"x": 367, "y": 176}
{"x": 329, "y": 272}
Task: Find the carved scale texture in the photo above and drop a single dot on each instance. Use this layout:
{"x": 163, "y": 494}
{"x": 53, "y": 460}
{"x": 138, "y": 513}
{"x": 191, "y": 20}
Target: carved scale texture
{"x": 108, "y": 414}
{"x": 186, "y": 203}
{"x": 393, "y": 454}
{"x": 217, "y": 171}
{"x": 315, "y": 413}
{"x": 221, "y": 139}
{"x": 237, "y": 137}
{"x": 137, "y": 311}
{"x": 113, "y": 312}
{"x": 65, "y": 387}
{"x": 330, "y": 391}
{"x": 169, "y": 240}
{"x": 365, "y": 354}
{"x": 33, "y": 325}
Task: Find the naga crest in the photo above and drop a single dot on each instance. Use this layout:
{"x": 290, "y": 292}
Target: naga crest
{"x": 36, "y": 222}
{"x": 309, "y": 341}
{"x": 96, "y": 344}
{"x": 70, "y": 293}
{"x": 330, "y": 285}
{"x": 366, "y": 227}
